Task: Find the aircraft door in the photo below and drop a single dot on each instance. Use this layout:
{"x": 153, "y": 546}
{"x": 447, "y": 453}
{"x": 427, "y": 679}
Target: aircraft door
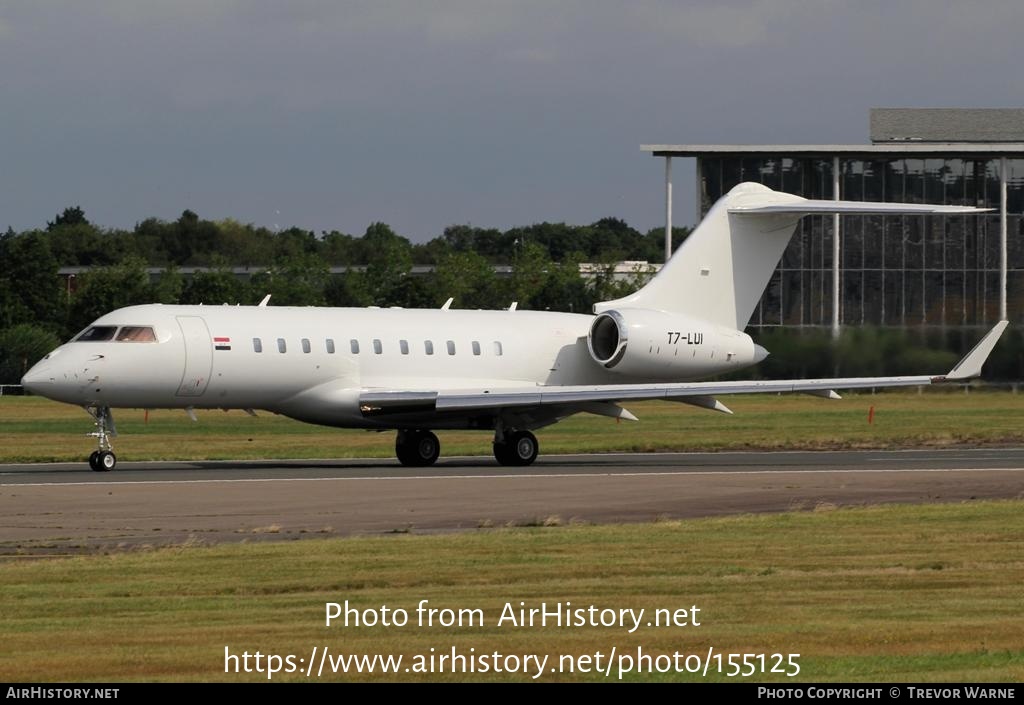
{"x": 198, "y": 356}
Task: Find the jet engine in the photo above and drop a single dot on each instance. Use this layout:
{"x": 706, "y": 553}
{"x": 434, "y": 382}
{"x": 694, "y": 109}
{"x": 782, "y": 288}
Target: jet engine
{"x": 652, "y": 344}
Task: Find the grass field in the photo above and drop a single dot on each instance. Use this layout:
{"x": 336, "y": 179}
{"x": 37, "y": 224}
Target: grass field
{"x": 927, "y": 593}
{"x": 41, "y": 430}
{"x": 899, "y": 594}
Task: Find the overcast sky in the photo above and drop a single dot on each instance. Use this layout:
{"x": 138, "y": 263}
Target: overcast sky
{"x": 334, "y": 114}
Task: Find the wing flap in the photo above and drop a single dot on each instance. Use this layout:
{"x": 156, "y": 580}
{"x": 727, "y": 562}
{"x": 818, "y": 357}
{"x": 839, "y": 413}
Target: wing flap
{"x": 690, "y": 392}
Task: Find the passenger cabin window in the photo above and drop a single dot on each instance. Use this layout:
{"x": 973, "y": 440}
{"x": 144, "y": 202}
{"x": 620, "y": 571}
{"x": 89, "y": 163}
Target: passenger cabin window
{"x": 330, "y": 346}
{"x": 305, "y": 345}
{"x": 136, "y": 334}
{"x": 403, "y": 345}
{"x": 428, "y": 347}
{"x": 476, "y": 347}
{"x": 96, "y": 334}
{"x": 281, "y": 346}
{"x": 354, "y": 345}
{"x": 257, "y": 345}
{"x": 377, "y": 348}
{"x": 497, "y": 348}
{"x": 451, "y": 347}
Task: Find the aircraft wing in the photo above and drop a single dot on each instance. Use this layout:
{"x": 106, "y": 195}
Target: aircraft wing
{"x": 383, "y": 402}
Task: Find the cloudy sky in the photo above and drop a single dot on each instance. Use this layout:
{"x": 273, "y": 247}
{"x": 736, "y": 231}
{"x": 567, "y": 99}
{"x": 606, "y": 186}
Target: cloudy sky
{"x": 334, "y": 114}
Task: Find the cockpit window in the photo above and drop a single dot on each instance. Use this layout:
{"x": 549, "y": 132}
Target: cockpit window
{"x": 94, "y": 334}
{"x": 137, "y": 334}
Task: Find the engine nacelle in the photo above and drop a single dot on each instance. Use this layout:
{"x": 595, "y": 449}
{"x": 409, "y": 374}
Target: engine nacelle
{"x": 659, "y": 345}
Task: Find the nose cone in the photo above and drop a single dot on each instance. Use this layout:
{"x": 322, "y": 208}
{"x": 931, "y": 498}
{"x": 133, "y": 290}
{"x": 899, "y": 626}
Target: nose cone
{"x": 759, "y": 353}
{"x": 37, "y": 379}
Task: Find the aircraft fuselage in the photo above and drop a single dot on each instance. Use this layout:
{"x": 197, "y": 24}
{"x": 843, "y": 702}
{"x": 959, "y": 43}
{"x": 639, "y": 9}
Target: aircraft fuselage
{"x": 311, "y": 363}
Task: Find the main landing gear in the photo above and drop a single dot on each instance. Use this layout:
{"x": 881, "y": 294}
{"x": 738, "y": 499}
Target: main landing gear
{"x": 515, "y": 447}
{"x": 102, "y": 460}
{"x": 417, "y": 448}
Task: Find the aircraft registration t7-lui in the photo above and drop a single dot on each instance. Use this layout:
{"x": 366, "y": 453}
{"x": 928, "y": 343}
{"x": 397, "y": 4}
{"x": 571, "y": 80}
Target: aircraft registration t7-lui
{"x": 508, "y": 372}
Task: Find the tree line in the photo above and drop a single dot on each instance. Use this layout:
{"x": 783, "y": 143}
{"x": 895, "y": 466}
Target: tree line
{"x": 39, "y": 308}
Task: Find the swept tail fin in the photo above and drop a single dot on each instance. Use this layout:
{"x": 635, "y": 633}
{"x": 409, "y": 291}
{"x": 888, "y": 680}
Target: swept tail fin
{"x": 721, "y": 270}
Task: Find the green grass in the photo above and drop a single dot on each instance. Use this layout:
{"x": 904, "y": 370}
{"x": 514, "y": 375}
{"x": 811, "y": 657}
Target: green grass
{"x": 40, "y": 430}
{"x": 901, "y": 594}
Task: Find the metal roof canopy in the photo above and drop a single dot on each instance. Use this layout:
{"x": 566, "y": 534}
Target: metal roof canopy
{"x": 895, "y": 147}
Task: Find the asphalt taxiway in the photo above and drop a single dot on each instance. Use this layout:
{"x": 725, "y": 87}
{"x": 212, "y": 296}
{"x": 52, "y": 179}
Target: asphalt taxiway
{"x": 59, "y": 508}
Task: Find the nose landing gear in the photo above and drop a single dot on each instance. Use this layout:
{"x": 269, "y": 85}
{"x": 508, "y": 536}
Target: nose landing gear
{"x": 102, "y": 460}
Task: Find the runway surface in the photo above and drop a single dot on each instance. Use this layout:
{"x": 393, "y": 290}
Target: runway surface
{"x": 60, "y": 508}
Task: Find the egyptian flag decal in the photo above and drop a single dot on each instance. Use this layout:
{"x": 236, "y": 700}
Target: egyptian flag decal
{"x": 222, "y": 343}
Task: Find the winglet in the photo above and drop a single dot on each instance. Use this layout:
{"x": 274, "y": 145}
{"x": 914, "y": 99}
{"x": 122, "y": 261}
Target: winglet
{"x": 970, "y": 366}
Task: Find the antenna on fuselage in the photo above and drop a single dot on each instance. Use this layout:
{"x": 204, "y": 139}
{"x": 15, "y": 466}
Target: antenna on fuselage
{"x": 263, "y": 303}
{"x": 447, "y": 304}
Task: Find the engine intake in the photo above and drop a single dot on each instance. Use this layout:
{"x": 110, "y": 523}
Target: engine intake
{"x": 607, "y": 339}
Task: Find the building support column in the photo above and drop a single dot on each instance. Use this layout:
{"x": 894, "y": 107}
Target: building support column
{"x": 835, "y": 250}
{"x": 1003, "y": 177}
{"x": 668, "y": 208}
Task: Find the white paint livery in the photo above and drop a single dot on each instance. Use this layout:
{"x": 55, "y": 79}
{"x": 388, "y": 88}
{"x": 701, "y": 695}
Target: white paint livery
{"x": 509, "y": 371}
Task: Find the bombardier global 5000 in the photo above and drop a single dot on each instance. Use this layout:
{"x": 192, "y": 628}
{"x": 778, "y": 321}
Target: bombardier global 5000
{"x": 509, "y": 372}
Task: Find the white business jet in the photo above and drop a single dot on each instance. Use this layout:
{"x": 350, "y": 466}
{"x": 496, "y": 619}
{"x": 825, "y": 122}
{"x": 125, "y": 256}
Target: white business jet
{"x": 510, "y": 372}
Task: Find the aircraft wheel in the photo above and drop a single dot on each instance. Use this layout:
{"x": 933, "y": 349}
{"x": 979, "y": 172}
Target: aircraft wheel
{"x": 105, "y": 461}
{"x": 501, "y": 453}
{"x": 417, "y": 448}
{"x": 94, "y": 460}
{"x": 519, "y": 449}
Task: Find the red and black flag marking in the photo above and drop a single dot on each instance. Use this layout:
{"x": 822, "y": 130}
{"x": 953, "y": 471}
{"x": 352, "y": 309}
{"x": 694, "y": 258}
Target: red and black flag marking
{"x": 222, "y": 343}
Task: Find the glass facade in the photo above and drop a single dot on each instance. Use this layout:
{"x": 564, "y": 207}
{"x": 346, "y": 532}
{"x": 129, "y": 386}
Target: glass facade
{"x": 894, "y": 270}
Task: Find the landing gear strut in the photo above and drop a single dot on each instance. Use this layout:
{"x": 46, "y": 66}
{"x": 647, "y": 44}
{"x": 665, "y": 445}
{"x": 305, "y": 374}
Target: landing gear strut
{"x": 417, "y": 448}
{"x": 102, "y": 460}
{"x": 515, "y": 447}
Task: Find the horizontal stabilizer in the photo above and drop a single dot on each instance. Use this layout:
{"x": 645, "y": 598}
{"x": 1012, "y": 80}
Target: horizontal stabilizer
{"x": 807, "y": 207}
